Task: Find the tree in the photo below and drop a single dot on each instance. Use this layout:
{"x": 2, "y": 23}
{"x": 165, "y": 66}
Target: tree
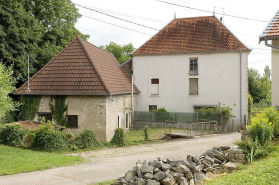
{"x": 121, "y": 53}
{"x": 259, "y": 87}
{"x": 7, "y": 85}
{"x": 267, "y": 72}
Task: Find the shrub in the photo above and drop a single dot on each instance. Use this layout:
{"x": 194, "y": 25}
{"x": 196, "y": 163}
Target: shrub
{"x": 47, "y": 139}
{"x": 146, "y": 133}
{"x": 250, "y": 107}
{"x": 273, "y": 118}
{"x": 118, "y": 137}
{"x": 28, "y": 138}
{"x": 260, "y": 130}
{"x": 86, "y": 140}
{"x": 162, "y": 109}
{"x": 11, "y": 134}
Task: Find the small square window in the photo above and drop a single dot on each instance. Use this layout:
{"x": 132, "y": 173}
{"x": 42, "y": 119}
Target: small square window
{"x": 194, "y": 67}
{"x": 194, "y": 86}
{"x": 72, "y": 121}
{"x": 152, "y": 108}
{"x": 155, "y": 81}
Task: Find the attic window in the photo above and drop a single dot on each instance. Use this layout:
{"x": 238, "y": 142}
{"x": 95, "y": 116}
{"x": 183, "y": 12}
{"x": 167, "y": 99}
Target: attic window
{"x": 154, "y": 86}
{"x": 194, "y": 67}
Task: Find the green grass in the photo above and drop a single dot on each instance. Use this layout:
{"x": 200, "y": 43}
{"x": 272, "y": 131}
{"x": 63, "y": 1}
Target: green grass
{"x": 16, "y": 160}
{"x": 264, "y": 171}
{"x": 104, "y": 183}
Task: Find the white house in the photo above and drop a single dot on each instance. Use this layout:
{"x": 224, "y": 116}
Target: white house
{"x": 271, "y": 37}
{"x": 192, "y": 63}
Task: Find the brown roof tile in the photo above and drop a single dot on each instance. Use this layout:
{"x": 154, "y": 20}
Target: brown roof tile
{"x": 192, "y": 35}
{"x": 272, "y": 29}
{"x": 81, "y": 68}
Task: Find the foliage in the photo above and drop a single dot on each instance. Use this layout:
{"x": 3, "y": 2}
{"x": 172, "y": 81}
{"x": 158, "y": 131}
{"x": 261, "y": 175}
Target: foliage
{"x": 29, "y": 106}
{"x": 17, "y": 160}
{"x": 86, "y": 140}
{"x": 146, "y": 133}
{"x": 161, "y": 109}
{"x": 267, "y": 72}
{"x": 259, "y": 87}
{"x": 260, "y": 130}
{"x": 218, "y": 110}
{"x": 11, "y": 134}
{"x": 250, "y": 107}
{"x": 7, "y": 85}
{"x": 58, "y": 109}
{"x": 28, "y": 138}
{"x": 118, "y": 138}
{"x": 48, "y": 139}
{"x": 9, "y": 117}
{"x": 121, "y": 53}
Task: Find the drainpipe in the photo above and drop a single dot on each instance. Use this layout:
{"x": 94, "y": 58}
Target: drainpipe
{"x": 132, "y": 98}
{"x": 240, "y": 57}
{"x": 270, "y": 45}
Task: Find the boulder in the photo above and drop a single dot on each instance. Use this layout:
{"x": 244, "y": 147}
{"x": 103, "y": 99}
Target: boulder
{"x": 196, "y": 160}
{"x": 190, "y": 166}
{"x": 224, "y": 148}
{"x": 156, "y": 164}
{"x": 182, "y": 180}
{"x": 156, "y": 170}
{"x": 209, "y": 160}
{"x": 189, "y": 175}
{"x": 139, "y": 181}
{"x": 191, "y": 182}
{"x": 182, "y": 169}
{"x": 152, "y": 182}
{"x": 159, "y": 176}
{"x": 148, "y": 176}
{"x": 198, "y": 178}
{"x": 168, "y": 180}
{"x": 146, "y": 169}
{"x": 174, "y": 162}
{"x": 165, "y": 167}
{"x": 130, "y": 175}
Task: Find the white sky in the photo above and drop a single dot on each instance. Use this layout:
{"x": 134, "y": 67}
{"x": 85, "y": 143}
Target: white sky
{"x": 246, "y": 30}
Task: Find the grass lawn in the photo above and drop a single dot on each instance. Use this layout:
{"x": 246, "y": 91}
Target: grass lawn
{"x": 16, "y": 160}
{"x": 264, "y": 171}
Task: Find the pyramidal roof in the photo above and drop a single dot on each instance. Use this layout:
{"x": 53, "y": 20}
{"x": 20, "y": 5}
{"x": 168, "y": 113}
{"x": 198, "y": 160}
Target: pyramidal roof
{"x": 197, "y": 34}
{"x": 79, "y": 69}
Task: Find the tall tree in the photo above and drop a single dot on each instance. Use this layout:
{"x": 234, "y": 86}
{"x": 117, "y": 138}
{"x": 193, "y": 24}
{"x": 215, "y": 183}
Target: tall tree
{"x": 121, "y": 53}
{"x": 267, "y": 72}
{"x": 259, "y": 87}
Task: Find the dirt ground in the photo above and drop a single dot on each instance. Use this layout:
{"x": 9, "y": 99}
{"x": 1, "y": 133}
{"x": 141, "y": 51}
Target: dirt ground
{"x": 111, "y": 163}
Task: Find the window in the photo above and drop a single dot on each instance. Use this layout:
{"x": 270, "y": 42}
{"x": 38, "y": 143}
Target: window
{"x": 127, "y": 120}
{"x": 193, "y": 66}
{"x": 152, "y": 108}
{"x": 118, "y": 121}
{"x": 72, "y": 121}
{"x": 194, "y": 86}
{"x": 46, "y": 115}
{"x": 154, "y": 86}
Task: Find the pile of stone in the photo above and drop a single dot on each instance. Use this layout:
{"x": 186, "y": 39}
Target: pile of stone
{"x": 191, "y": 171}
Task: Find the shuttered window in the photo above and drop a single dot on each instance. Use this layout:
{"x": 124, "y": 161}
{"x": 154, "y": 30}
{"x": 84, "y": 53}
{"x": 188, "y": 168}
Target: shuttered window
{"x": 194, "y": 86}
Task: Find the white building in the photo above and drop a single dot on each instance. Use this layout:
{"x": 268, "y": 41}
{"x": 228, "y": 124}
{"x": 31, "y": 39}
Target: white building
{"x": 192, "y": 63}
{"x": 271, "y": 37}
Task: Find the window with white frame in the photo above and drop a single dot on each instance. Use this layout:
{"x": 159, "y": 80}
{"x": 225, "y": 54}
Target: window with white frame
{"x": 194, "y": 86}
{"x": 194, "y": 66}
{"x": 154, "y": 86}
{"x": 152, "y": 108}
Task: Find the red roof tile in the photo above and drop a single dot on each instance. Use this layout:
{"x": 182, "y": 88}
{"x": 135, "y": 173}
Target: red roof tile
{"x": 272, "y": 29}
{"x": 192, "y": 35}
{"x": 80, "y": 69}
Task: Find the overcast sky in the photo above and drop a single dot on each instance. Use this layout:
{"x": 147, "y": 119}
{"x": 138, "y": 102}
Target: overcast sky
{"x": 154, "y": 15}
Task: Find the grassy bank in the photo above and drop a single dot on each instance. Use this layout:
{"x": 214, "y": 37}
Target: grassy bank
{"x": 264, "y": 171}
{"x": 16, "y": 160}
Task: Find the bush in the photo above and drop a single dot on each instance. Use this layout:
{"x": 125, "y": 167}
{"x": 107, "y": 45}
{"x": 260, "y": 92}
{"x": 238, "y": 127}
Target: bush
{"x": 28, "y": 138}
{"x": 273, "y": 118}
{"x": 11, "y": 134}
{"x": 162, "y": 109}
{"x": 260, "y": 130}
{"x": 119, "y": 138}
{"x": 47, "y": 139}
{"x": 86, "y": 140}
{"x": 146, "y": 133}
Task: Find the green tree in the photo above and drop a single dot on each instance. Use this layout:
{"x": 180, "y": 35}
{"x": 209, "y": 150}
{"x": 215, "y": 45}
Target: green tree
{"x": 7, "y": 85}
{"x": 259, "y": 87}
{"x": 267, "y": 72}
{"x": 121, "y": 53}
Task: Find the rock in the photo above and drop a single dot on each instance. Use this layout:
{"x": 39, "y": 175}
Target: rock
{"x": 200, "y": 167}
{"x": 174, "y": 162}
{"x": 196, "y": 160}
{"x": 146, "y": 169}
{"x": 189, "y": 175}
{"x": 152, "y": 182}
{"x": 139, "y": 181}
{"x": 120, "y": 181}
{"x": 209, "y": 169}
{"x": 130, "y": 175}
{"x": 191, "y": 182}
{"x": 206, "y": 164}
{"x": 198, "y": 178}
{"x": 223, "y": 148}
{"x": 148, "y": 176}
{"x": 208, "y": 175}
{"x": 209, "y": 159}
{"x": 160, "y": 158}
{"x": 156, "y": 170}
{"x": 165, "y": 167}
{"x": 182, "y": 168}
{"x": 217, "y": 161}
{"x": 159, "y": 176}
{"x": 167, "y": 172}
{"x": 230, "y": 167}
{"x": 190, "y": 166}
{"x": 176, "y": 175}
{"x": 182, "y": 180}
{"x": 215, "y": 165}
{"x": 211, "y": 154}
{"x": 220, "y": 156}
{"x": 168, "y": 180}
{"x": 190, "y": 158}
{"x": 138, "y": 171}
{"x": 156, "y": 164}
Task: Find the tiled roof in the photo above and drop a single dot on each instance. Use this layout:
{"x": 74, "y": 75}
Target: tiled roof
{"x": 80, "y": 69}
{"x": 272, "y": 29}
{"x": 192, "y": 35}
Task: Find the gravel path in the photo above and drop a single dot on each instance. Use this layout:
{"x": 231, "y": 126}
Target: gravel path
{"x": 111, "y": 163}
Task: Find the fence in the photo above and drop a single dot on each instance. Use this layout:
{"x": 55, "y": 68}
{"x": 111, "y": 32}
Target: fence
{"x": 194, "y": 123}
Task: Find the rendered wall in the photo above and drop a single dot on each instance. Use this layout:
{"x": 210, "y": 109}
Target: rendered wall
{"x": 219, "y": 81}
{"x": 275, "y": 74}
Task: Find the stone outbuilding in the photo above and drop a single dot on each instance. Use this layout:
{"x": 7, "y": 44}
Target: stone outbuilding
{"x": 97, "y": 90}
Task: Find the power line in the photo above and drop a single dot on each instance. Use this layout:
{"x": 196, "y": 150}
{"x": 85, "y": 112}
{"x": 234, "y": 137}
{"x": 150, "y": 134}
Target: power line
{"x": 116, "y": 25}
{"x": 258, "y": 61}
{"x": 127, "y": 15}
{"x": 212, "y": 12}
{"x": 116, "y": 17}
